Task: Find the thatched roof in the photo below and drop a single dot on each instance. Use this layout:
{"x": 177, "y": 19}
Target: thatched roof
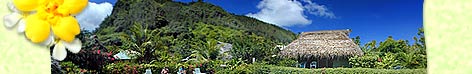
{"x": 321, "y": 44}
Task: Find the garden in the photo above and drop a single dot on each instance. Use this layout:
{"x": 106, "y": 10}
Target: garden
{"x": 148, "y": 36}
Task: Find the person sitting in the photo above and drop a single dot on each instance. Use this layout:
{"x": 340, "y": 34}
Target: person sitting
{"x": 184, "y": 71}
{"x": 165, "y": 71}
{"x": 181, "y": 70}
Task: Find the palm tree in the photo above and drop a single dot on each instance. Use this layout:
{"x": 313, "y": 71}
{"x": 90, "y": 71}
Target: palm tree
{"x": 141, "y": 39}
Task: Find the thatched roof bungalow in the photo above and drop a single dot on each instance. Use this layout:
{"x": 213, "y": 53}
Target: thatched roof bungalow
{"x": 330, "y": 48}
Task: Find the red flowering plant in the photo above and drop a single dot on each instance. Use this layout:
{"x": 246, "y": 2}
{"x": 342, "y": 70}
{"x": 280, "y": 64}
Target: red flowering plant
{"x": 93, "y": 56}
{"x": 127, "y": 67}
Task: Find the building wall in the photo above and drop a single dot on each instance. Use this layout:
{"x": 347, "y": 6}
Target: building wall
{"x": 328, "y": 63}
{"x": 341, "y": 62}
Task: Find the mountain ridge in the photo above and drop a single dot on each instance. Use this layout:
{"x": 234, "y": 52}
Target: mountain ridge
{"x": 179, "y": 16}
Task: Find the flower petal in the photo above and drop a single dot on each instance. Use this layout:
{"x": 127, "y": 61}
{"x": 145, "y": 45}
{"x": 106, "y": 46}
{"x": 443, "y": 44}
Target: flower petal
{"x": 26, "y": 5}
{"x": 72, "y": 7}
{"x": 37, "y": 30}
{"x": 11, "y": 20}
{"x": 73, "y": 46}
{"x": 12, "y": 7}
{"x": 66, "y": 28}
{"x": 59, "y": 52}
{"x": 49, "y": 41}
{"x": 21, "y": 26}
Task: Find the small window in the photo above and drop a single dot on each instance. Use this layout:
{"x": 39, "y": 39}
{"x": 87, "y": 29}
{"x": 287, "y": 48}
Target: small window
{"x": 302, "y": 65}
{"x": 313, "y": 64}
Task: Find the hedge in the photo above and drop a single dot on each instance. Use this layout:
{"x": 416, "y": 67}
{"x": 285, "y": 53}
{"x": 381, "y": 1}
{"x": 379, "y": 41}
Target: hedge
{"x": 270, "y": 69}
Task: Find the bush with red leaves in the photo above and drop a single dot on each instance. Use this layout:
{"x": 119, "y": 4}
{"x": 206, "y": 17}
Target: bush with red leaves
{"x": 92, "y": 56}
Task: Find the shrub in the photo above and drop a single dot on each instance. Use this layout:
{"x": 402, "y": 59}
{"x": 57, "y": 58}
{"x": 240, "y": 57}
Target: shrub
{"x": 122, "y": 67}
{"x": 71, "y": 68}
{"x": 135, "y": 68}
{"x": 246, "y": 69}
{"x": 270, "y": 69}
{"x": 366, "y": 61}
{"x": 94, "y": 59}
{"x": 375, "y": 61}
{"x": 388, "y": 62}
{"x": 287, "y": 63}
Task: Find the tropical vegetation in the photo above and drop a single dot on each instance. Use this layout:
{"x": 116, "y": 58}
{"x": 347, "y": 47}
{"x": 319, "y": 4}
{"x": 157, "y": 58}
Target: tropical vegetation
{"x": 163, "y": 33}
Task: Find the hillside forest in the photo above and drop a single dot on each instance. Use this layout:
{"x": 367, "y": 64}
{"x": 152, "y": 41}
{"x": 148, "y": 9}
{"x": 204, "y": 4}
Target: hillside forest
{"x": 157, "y": 34}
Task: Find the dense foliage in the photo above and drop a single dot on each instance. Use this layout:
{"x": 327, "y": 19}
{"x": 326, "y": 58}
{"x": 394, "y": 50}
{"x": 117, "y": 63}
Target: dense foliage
{"x": 164, "y": 33}
{"x": 392, "y": 54}
{"x": 265, "y": 69}
{"x": 189, "y": 35}
{"x": 178, "y": 17}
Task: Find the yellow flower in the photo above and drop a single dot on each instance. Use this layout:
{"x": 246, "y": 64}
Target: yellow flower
{"x": 43, "y": 20}
{"x": 51, "y": 14}
{"x": 27, "y": 5}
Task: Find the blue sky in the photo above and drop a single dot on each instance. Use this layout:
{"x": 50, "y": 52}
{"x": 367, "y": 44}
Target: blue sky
{"x": 369, "y": 19}
{"x": 113, "y": 2}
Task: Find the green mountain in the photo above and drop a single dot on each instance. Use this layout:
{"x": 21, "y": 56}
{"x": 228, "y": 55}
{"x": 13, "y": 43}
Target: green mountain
{"x": 178, "y": 17}
{"x": 159, "y": 34}
{"x": 161, "y": 28}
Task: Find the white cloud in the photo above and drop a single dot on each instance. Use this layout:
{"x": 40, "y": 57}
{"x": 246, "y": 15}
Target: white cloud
{"x": 281, "y": 13}
{"x": 288, "y": 12}
{"x": 93, "y": 15}
{"x": 318, "y": 10}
